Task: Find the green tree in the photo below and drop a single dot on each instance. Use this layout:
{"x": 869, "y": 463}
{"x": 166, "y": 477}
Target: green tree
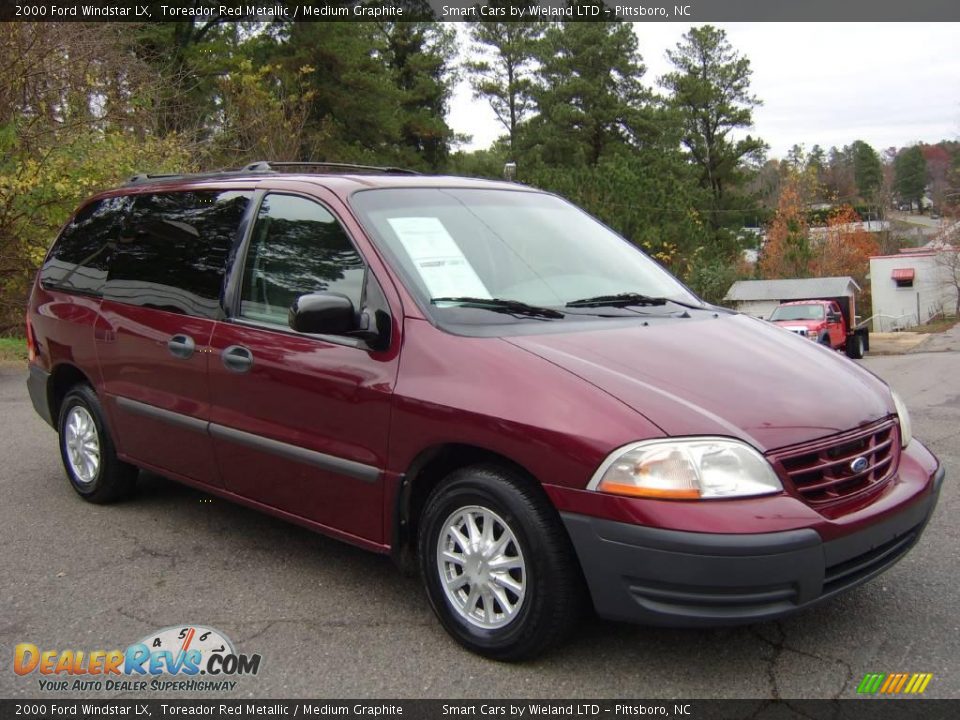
{"x": 647, "y": 192}
{"x": 487, "y": 163}
{"x": 189, "y": 56}
{"x": 867, "y": 170}
{"x": 589, "y": 96}
{"x": 420, "y": 60}
{"x": 711, "y": 89}
{"x": 352, "y": 114}
{"x": 817, "y": 159}
{"x": 910, "y": 175}
{"x": 838, "y": 178}
{"x": 71, "y": 122}
{"x": 502, "y": 69}
{"x": 796, "y": 158}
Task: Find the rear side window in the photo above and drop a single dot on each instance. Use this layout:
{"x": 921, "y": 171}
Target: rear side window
{"x": 79, "y": 258}
{"x": 172, "y": 253}
{"x": 297, "y": 247}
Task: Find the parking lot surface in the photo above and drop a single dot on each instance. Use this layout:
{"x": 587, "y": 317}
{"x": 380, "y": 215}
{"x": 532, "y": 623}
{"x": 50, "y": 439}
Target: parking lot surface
{"x": 333, "y": 621}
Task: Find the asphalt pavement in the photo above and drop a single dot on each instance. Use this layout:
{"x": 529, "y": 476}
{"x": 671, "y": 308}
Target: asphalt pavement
{"x": 332, "y": 621}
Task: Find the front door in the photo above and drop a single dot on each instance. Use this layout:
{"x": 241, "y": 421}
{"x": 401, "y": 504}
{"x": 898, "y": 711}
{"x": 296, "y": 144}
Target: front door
{"x": 299, "y": 422}
{"x": 835, "y": 327}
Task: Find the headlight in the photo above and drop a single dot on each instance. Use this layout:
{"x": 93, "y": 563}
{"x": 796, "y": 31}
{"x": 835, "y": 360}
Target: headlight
{"x": 686, "y": 469}
{"x": 906, "y": 431}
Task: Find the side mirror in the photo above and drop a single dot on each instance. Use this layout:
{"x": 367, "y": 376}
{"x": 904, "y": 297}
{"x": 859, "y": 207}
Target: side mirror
{"x": 323, "y": 314}
{"x": 833, "y": 317}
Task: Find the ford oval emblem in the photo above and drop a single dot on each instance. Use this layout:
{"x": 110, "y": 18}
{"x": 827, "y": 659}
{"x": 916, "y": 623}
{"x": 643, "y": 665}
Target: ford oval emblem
{"x": 859, "y": 464}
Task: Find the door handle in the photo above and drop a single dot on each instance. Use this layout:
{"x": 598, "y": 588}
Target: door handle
{"x": 181, "y": 346}
{"x": 237, "y": 358}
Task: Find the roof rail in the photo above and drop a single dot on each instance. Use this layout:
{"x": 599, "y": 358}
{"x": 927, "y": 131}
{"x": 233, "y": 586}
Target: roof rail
{"x": 267, "y": 166}
{"x": 213, "y": 174}
{"x": 144, "y": 177}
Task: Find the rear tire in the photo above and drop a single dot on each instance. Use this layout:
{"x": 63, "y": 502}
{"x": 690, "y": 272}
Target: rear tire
{"x": 855, "y": 347}
{"x": 499, "y": 569}
{"x": 87, "y": 450}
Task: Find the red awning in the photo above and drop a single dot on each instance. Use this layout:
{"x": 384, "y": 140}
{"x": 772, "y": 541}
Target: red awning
{"x": 903, "y": 274}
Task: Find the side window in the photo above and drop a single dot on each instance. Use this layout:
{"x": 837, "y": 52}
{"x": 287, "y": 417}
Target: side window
{"x": 79, "y": 258}
{"x": 172, "y": 253}
{"x": 297, "y": 247}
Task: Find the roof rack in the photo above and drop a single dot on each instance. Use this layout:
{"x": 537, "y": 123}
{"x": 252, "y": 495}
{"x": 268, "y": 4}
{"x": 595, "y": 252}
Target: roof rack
{"x": 155, "y": 177}
{"x": 144, "y": 177}
{"x": 267, "y": 166}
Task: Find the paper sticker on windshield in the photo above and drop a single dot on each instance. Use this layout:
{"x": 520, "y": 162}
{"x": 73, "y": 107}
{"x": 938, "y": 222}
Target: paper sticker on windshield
{"x": 437, "y": 257}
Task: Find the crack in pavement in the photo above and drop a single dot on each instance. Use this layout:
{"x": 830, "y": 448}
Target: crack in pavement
{"x": 779, "y": 646}
{"x": 141, "y": 549}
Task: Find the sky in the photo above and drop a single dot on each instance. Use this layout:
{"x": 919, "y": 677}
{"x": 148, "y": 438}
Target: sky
{"x": 888, "y": 84}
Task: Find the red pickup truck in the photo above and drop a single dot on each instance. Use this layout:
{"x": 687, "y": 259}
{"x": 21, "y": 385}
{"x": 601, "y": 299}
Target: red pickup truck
{"x": 824, "y": 321}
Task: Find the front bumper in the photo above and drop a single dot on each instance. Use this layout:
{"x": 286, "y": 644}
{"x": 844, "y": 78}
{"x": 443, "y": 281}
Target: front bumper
{"x": 677, "y": 578}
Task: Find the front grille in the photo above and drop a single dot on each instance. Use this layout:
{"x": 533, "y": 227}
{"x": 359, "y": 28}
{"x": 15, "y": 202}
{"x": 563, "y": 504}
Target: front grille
{"x": 823, "y": 471}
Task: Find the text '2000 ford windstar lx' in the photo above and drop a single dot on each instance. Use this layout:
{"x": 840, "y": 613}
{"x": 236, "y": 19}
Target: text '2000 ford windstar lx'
{"x": 476, "y": 377}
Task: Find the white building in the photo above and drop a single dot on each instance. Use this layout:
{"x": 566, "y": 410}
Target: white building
{"x": 909, "y": 288}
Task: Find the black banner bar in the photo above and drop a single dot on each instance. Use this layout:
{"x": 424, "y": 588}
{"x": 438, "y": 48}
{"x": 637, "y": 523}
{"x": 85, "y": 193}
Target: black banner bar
{"x": 854, "y": 709}
{"x": 686, "y": 11}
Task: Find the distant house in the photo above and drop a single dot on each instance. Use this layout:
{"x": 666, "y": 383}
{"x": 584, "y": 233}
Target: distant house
{"x": 870, "y": 226}
{"x": 909, "y": 288}
{"x": 760, "y": 297}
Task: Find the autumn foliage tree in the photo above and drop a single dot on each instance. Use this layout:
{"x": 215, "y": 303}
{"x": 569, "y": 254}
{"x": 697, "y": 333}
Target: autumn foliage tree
{"x": 787, "y": 252}
{"x": 845, "y": 247}
{"x": 795, "y": 250}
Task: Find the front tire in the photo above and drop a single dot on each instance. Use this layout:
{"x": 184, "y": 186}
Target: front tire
{"x": 87, "y": 450}
{"x": 499, "y": 569}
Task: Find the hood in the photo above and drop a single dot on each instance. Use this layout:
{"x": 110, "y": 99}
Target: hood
{"x": 728, "y": 375}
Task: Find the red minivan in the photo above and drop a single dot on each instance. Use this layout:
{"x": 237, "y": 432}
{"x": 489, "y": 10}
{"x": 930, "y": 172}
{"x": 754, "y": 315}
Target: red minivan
{"x": 479, "y": 379}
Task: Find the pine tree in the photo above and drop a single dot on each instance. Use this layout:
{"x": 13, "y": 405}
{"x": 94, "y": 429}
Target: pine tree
{"x": 502, "y": 70}
{"x": 711, "y": 89}
{"x": 590, "y": 96}
{"x": 910, "y": 175}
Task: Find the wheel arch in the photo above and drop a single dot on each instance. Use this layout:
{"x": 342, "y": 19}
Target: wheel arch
{"x": 427, "y": 471}
{"x": 63, "y": 377}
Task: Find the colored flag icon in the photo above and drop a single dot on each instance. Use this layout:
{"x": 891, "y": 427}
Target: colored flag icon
{"x": 894, "y": 683}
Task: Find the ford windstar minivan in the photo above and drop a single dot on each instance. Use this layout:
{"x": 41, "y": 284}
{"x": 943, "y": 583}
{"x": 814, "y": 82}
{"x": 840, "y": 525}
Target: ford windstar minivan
{"x": 479, "y": 379}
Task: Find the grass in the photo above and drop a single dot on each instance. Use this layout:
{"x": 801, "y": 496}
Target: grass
{"x": 13, "y": 349}
{"x": 935, "y": 326}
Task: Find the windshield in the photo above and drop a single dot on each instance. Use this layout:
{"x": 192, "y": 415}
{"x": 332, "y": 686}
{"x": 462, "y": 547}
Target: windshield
{"x": 471, "y": 244}
{"x": 798, "y": 312}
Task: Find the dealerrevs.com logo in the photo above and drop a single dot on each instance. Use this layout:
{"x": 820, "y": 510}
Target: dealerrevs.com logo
{"x": 187, "y": 658}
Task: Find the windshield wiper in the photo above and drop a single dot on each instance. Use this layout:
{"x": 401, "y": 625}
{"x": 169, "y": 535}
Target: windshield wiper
{"x": 513, "y": 307}
{"x": 625, "y": 300}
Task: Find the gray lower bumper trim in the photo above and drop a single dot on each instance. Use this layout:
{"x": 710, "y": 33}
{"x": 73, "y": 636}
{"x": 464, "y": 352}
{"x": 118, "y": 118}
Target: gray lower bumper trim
{"x": 38, "y": 385}
{"x": 668, "y": 577}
